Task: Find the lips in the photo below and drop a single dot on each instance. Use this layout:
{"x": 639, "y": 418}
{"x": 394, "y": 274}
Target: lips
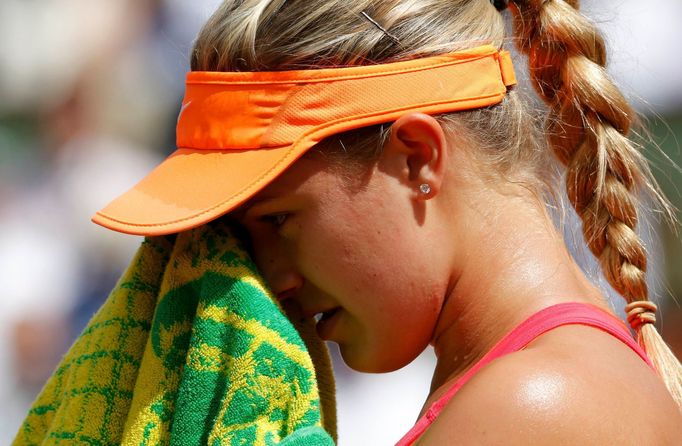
{"x": 325, "y": 315}
{"x": 326, "y": 318}
{"x": 317, "y": 312}
{"x": 326, "y": 321}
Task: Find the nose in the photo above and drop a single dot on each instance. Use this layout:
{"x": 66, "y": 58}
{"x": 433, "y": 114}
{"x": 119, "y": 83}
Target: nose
{"x": 277, "y": 268}
{"x": 285, "y": 285}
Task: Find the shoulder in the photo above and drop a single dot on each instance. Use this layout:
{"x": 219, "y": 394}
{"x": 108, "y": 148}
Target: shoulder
{"x": 595, "y": 392}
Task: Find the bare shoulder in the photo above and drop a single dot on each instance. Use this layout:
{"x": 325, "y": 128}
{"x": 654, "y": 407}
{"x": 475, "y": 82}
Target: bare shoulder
{"x": 575, "y": 386}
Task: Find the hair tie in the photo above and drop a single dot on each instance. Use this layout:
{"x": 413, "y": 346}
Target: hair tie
{"x": 500, "y": 5}
{"x": 640, "y": 313}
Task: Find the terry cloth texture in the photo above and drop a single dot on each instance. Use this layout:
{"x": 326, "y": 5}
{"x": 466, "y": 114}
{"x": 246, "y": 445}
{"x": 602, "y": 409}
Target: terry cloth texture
{"x": 190, "y": 348}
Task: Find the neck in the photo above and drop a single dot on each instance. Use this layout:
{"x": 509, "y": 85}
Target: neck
{"x": 515, "y": 265}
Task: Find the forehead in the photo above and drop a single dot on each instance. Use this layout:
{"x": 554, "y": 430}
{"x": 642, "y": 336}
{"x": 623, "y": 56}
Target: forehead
{"x": 305, "y": 173}
{"x": 311, "y": 176}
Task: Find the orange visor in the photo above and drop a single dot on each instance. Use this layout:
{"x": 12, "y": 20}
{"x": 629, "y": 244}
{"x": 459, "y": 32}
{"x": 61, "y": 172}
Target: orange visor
{"x": 237, "y": 131}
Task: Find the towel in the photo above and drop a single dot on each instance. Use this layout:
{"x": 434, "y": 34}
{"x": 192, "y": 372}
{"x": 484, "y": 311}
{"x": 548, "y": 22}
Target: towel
{"x": 190, "y": 348}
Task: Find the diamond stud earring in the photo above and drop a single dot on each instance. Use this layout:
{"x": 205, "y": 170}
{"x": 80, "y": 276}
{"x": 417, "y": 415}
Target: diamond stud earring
{"x": 424, "y": 188}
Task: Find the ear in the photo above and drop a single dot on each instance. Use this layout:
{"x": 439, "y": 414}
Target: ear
{"x": 417, "y": 150}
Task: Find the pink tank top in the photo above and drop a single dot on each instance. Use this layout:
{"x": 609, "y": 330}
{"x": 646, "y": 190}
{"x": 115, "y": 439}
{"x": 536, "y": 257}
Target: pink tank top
{"x": 537, "y": 324}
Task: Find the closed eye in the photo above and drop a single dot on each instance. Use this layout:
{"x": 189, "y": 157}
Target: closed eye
{"x": 276, "y": 220}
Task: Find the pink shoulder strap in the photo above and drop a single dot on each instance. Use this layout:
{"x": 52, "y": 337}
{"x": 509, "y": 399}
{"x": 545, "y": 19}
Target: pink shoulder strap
{"x": 537, "y": 324}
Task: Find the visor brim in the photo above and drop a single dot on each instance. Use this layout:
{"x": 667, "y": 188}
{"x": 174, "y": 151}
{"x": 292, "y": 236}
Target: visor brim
{"x": 192, "y": 187}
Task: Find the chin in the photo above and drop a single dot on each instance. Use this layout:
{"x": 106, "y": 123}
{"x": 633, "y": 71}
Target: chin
{"x": 367, "y": 361}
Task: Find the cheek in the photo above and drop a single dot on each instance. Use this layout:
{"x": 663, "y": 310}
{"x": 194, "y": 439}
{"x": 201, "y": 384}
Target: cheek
{"x": 357, "y": 249}
{"x": 388, "y": 333}
{"x": 370, "y": 262}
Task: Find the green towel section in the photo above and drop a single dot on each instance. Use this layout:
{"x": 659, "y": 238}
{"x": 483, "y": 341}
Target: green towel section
{"x": 190, "y": 348}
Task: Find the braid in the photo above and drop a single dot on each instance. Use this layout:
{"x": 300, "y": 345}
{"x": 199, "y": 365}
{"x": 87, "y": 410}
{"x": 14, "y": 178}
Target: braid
{"x": 588, "y": 124}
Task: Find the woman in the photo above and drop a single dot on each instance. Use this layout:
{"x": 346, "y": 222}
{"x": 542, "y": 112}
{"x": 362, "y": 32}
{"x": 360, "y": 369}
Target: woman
{"x": 405, "y": 219}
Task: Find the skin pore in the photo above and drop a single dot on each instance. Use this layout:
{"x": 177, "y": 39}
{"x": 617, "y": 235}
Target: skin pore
{"x": 458, "y": 267}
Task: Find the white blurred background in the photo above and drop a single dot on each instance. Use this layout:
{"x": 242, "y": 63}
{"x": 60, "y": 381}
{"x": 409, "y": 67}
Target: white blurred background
{"x": 89, "y": 93}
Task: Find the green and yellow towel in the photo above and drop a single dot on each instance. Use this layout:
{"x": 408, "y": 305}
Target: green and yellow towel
{"x": 189, "y": 349}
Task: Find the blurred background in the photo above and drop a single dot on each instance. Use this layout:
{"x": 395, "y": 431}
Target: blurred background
{"x": 89, "y": 95}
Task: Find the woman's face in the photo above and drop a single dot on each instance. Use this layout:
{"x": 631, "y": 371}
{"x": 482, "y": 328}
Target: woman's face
{"x": 366, "y": 257}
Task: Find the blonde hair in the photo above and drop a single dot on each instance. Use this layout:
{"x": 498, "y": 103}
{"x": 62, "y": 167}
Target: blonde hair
{"x": 588, "y": 118}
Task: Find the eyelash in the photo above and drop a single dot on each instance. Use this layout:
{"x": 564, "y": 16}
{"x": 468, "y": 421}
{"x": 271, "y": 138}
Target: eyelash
{"x": 277, "y": 220}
